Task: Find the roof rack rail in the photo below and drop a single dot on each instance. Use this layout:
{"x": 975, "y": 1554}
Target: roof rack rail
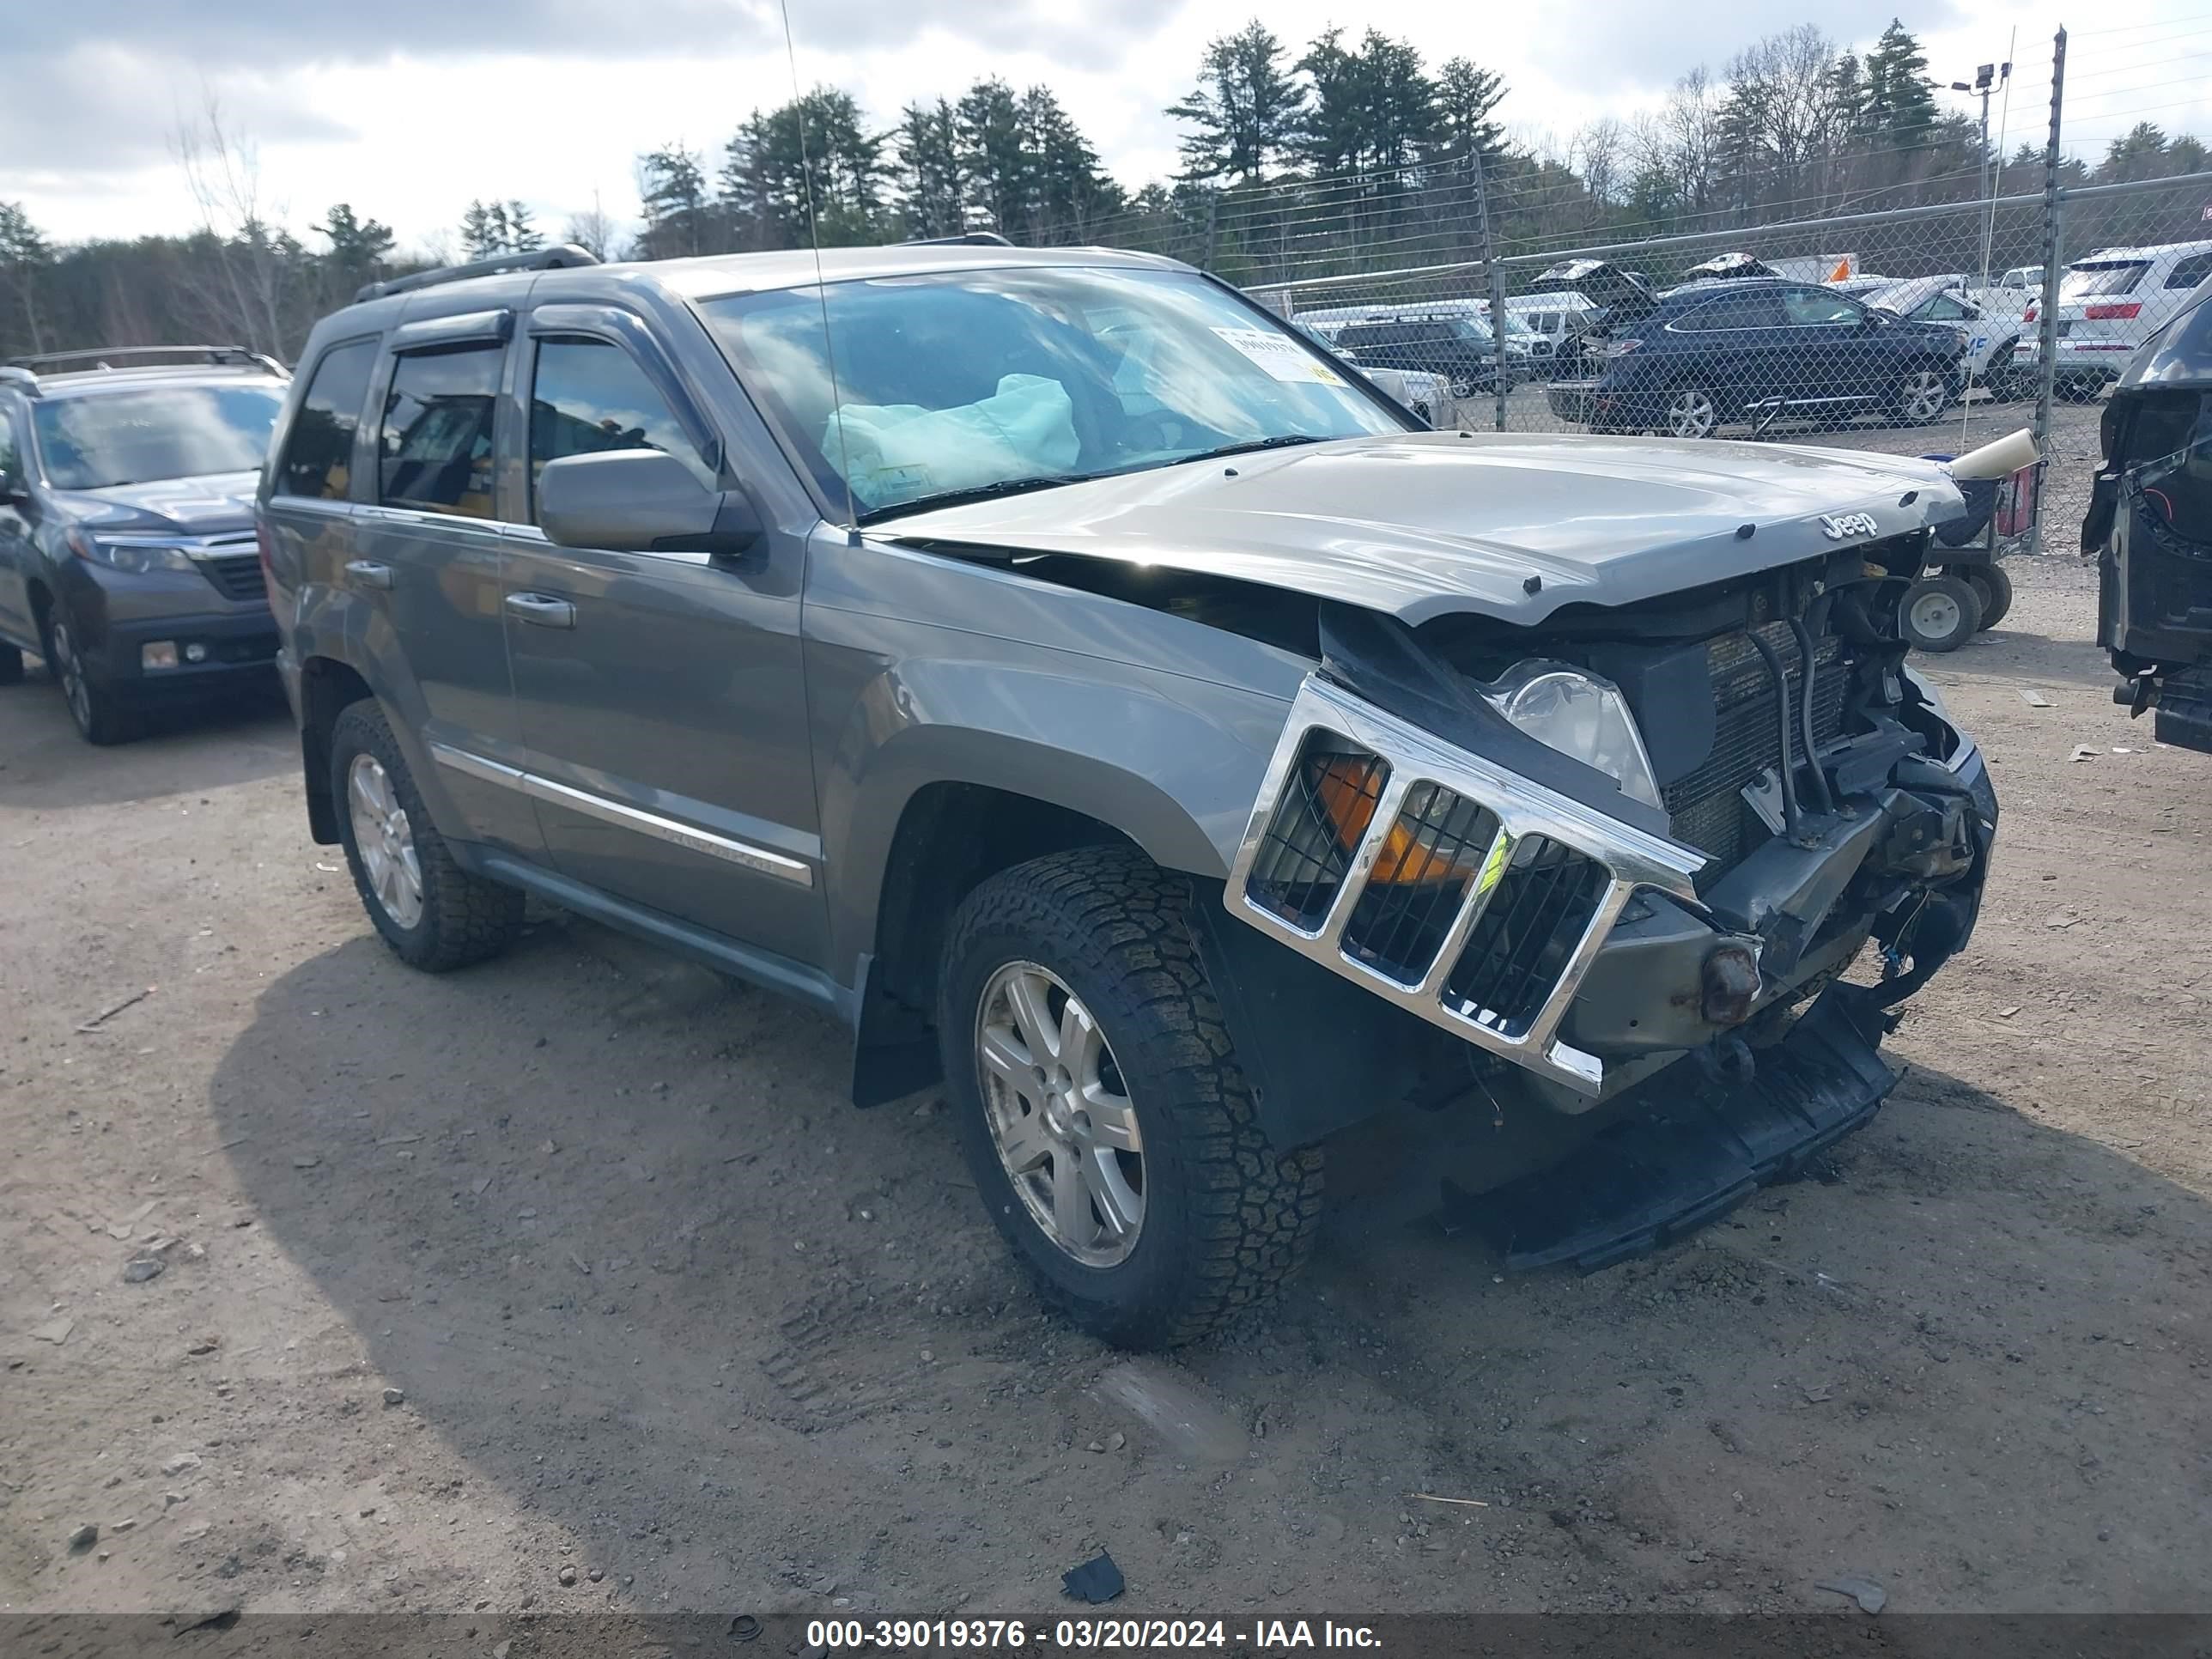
{"x": 540, "y": 259}
{"x": 12, "y": 375}
{"x": 966, "y": 238}
{"x": 89, "y": 358}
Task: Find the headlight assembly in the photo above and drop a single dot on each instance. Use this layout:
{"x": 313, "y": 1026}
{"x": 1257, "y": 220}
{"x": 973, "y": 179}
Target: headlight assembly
{"x": 120, "y": 553}
{"x": 1580, "y": 715}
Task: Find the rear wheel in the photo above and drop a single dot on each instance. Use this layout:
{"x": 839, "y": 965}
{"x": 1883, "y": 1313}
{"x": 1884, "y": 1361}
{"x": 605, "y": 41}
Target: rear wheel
{"x": 1993, "y": 588}
{"x": 1939, "y": 613}
{"x": 1100, "y": 1106}
{"x": 1921, "y": 397}
{"x": 433, "y": 913}
{"x": 1692, "y": 412}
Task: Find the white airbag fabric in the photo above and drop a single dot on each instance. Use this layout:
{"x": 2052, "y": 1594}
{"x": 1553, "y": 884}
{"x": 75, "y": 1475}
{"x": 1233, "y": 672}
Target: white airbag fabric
{"x": 896, "y": 451}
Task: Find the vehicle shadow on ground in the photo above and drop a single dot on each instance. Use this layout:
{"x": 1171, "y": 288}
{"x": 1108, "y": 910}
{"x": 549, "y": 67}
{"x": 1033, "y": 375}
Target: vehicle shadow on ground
{"x": 245, "y": 735}
{"x": 608, "y": 1222}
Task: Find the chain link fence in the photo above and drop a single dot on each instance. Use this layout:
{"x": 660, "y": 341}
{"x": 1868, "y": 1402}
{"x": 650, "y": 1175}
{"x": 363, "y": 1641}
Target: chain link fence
{"x": 1922, "y": 329}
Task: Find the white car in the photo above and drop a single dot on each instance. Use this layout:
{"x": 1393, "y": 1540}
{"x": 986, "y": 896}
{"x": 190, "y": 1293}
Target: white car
{"x": 1427, "y": 395}
{"x": 2111, "y": 302}
{"x": 2025, "y": 279}
{"x": 1993, "y": 320}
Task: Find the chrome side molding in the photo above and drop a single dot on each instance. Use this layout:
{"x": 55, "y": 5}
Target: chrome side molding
{"x": 763, "y": 859}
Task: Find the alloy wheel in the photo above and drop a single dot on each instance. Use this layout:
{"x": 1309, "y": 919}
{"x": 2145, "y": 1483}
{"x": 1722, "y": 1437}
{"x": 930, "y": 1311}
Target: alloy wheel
{"x": 1059, "y": 1114}
{"x": 1924, "y": 395}
{"x": 384, "y": 839}
{"x": 1691, "y": 414}
{"x": 70, "y": 672}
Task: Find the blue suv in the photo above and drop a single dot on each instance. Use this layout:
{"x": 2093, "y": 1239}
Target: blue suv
{"x": 1752, "y": 350}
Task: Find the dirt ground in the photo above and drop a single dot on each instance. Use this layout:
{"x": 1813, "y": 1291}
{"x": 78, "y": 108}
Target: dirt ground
{"x": 577, "y": 1260}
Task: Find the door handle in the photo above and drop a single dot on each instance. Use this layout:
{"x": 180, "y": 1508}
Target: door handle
{"x": 367, "y": 573}
{"x": 541, "y": 610}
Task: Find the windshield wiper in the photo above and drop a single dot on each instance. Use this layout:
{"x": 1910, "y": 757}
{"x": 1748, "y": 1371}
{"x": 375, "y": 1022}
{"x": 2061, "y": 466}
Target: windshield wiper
{"x": 976, "y": 493}
{"x": 1281, "y": 441}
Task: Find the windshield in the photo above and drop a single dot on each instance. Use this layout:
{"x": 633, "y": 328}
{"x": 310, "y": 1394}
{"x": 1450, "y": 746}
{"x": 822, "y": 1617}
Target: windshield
{"x": 981, "y": 381}
{"x": 109, "y": 438}
{"x": 2084, "y": 281}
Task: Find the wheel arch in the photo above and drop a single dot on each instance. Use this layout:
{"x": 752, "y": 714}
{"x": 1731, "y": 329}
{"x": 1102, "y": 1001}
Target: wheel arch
{"x": 328, "y": 688}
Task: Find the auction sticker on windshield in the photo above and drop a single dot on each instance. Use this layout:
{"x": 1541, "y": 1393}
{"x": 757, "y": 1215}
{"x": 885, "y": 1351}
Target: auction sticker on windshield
{"x": 1282, "y": 357}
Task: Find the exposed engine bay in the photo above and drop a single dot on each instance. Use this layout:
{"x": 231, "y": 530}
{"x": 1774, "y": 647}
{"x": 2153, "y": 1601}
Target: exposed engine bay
{"x": 1773, "y": 788}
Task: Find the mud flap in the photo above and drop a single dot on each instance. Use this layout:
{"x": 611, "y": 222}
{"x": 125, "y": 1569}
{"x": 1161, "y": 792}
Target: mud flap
{"x": 1697, "y": 1148}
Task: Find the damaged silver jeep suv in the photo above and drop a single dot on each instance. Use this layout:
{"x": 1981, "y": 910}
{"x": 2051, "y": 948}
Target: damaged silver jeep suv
{"x": 1098, "y": 700}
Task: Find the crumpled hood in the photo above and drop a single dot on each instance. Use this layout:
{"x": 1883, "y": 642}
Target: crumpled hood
{"x": 1426, "y": 524}
{"x": 183, "y": 507}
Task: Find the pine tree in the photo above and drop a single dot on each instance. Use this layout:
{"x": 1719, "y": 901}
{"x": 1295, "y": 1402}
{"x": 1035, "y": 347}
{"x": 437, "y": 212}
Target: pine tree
{"x": 482, "y": 234}
{"x": 1070, "y": 191}
{"x": 926, "y": 173}
{"x": 679, "y": 217}
{"x": 1245, "y": 108}
{"x": 808, "y": 165}
{"x": 1465, "y": 96}
{"x": 994, "y": 163}
{"x": 522, "y": 236}
{"x": 1900, "y": 99}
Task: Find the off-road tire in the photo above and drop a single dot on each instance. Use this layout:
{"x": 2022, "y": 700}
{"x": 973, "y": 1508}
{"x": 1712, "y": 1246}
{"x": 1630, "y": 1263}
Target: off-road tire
{"x": 1227, "y": 1216}
{"x": 1964, "y": 613}
{"x": 11, "y": 665}
{"x": 1993, "y": 588}
{"x": 465, "y": 919}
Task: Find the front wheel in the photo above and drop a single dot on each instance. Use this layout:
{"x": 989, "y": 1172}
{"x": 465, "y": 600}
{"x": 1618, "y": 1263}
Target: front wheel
{"x": 1693, "y": 412}
{"x": 1921, "y": 397}
{"x": 433, "y": 914}
{"x": 1099, "y": 1104}
{"x": 102, "y": 717}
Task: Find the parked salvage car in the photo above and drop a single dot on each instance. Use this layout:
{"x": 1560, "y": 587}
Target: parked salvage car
{"x": 1992, "y": 318}
{"x": 1108, "y": 711}
{"x": 126, "y": 533}
{"x": 2109, "y": 305}
{"x": 1754, "y": 351}
{"x": 1428, "y": 396}
{"x": 2150, "y": 525}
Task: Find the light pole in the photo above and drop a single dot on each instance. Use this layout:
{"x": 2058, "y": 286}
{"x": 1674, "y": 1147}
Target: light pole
{"x": 1987, "y": 79}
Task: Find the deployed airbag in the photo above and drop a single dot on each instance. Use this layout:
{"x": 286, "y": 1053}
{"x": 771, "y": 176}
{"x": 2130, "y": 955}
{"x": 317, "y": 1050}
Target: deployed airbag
{"x": 892, "y": 452}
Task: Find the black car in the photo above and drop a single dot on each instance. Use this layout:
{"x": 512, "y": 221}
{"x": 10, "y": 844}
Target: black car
{"x": 2150, "y": 525}
{"x": 127, "y": 554}
{"x": 1458, "y": 348}
{"x": 1752, "y": 350}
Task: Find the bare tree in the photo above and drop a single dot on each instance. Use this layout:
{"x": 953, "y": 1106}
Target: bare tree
{"x": 221, "y": 166}
{"x": 593, "y": 232}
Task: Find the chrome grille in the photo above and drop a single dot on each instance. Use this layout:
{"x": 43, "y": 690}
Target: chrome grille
{"x": 1435, "y": 879}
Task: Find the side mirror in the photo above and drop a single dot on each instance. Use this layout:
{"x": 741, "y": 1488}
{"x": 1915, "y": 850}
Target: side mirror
{"x": 13, "y": 490}
{"x": 640, "y": 501}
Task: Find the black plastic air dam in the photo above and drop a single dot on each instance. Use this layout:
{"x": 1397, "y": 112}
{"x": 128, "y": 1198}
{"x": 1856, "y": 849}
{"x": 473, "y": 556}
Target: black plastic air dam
{"x": 1691, "y": 1148}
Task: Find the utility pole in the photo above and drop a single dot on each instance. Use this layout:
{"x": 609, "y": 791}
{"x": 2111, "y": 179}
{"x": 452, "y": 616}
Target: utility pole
{"x": 1988, "y": 78}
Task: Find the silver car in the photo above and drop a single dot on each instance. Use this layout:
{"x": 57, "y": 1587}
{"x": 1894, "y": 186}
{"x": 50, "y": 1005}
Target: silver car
{"x": 1056, "y": 670}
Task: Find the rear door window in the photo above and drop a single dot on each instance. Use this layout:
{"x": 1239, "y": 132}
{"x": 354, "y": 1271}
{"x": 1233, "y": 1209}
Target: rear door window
{"x": 318, "y": 458}
{"x": 435, "y": 449}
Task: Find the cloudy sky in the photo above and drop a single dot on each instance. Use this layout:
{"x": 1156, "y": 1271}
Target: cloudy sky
{"x": 408, "y": 108}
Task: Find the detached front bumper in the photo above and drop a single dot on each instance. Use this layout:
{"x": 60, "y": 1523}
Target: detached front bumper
{"x": 1565, "y": 942}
